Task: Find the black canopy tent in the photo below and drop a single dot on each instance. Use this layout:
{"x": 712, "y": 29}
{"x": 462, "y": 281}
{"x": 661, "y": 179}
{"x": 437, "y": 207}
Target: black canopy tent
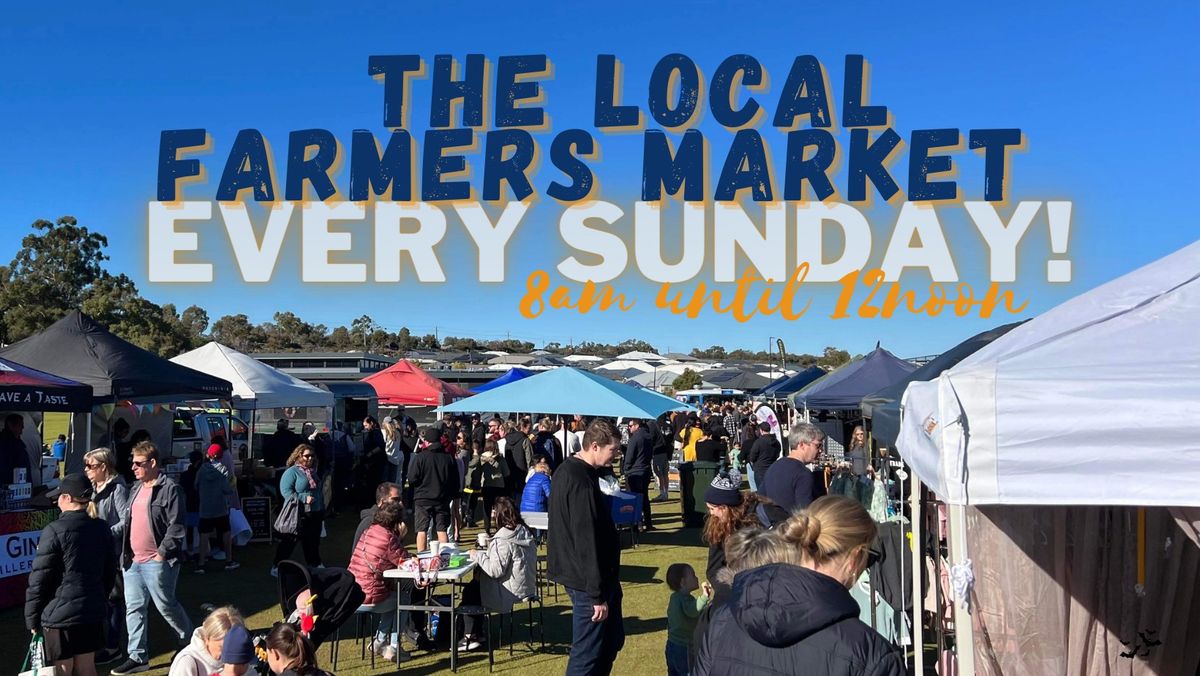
{"x": 78, "y": 348}
{"x": 883, "y": 406}
{"x": 27, "y": 389}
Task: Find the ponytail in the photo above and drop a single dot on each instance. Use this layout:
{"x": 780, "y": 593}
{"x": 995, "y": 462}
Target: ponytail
{"x": 293, "y": 646}
{"x": 91, "y": 509}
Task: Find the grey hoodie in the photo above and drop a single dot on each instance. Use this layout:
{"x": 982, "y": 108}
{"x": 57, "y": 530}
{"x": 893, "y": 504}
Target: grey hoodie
{"x": 509, "y": 567}
{"x": 194, "y": 659}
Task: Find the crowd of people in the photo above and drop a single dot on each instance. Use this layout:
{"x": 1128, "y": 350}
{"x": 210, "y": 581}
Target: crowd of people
{"x": 779, "y": 545}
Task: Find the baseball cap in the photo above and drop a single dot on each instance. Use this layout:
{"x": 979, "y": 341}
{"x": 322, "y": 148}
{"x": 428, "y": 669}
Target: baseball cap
{"x": 214, "y": 451}
{"x": 74, "y": 485}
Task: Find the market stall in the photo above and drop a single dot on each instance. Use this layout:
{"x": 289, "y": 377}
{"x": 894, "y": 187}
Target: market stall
{"x": 126, "y": 381}
{"x": 1068, "y": 454}
{"x": 406, "y": 384}
{"x": 512, "y": 375}
{"x": 25, "y": 391}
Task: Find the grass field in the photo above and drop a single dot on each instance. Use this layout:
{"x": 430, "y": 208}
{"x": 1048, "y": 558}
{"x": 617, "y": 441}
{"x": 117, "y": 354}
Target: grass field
{"x": 253, "y": 591}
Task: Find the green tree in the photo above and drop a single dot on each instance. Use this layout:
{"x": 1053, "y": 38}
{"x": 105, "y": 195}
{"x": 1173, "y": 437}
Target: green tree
{"x": 115, "y": 303}
{"x": 687, "y": 380}
{"x": 237, "y": 332}
{"x": 833, "y": 358}
{"x": 50, "y": 275}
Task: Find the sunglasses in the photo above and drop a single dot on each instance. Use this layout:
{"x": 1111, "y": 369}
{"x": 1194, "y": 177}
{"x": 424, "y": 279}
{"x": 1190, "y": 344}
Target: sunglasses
{"x": 307, "y": 457}
{"x": 93, "y": 465}
{"x": 141, "y": 463}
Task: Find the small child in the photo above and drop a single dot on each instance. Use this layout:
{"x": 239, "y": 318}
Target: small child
{"x": 682, "y": 612}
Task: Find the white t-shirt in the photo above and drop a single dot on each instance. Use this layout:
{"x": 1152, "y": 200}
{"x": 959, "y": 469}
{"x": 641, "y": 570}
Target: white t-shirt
{"x": 574, "y": 442}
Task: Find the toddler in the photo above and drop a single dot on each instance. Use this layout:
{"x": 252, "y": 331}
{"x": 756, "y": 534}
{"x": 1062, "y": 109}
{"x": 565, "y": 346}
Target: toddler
{"x": 682, "y": 612}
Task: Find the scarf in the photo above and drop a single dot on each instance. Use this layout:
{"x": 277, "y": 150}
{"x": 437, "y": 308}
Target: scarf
{"x": 312, "y": 482}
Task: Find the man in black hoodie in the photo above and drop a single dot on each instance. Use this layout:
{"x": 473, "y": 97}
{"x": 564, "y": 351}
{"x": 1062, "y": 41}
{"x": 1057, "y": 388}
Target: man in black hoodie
{"x": 386, "y": 492}
{"x": 585, "y": 553}
{"x": 433, "y": 476}
{"x": 763, "y": 453}
{"x": 518, "y": 453}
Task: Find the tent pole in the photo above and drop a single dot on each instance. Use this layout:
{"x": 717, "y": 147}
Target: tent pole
{"x": 964, "y": 630}
{"x": 918, "y": 600}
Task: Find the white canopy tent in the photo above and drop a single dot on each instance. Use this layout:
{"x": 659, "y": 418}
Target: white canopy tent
{"x": 1069, "y": 453}
{"x": 255, "y": 385}
{"x": 1095, "y": 402}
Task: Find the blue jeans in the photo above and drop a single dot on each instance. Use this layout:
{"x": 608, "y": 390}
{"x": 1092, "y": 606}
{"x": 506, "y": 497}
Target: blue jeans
{"x": 387, "y": 633}
{"x": 677, "y": 659}
{"x": 594, "y": 645}
{"x": 153, "y": 580}
{"x": 751, "y": 478}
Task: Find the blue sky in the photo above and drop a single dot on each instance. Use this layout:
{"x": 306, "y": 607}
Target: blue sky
{"x": 1105, "y": 96}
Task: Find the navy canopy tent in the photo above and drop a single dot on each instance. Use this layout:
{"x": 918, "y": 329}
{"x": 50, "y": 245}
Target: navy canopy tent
{"x": 78, "y": 348}
{"x": 26, "y": 389}
{"x": 845, "y": 387}
{"x": 883, "y": 407}
{"x": 511, "y": 376}
{"x": 792, "y": 384}
{"x": 736, "y": 379}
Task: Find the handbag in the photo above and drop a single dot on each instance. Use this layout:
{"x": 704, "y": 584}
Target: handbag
{"x": 288, "y": 521}
{"x": 239, "y": 527}
{"x": 35, "y": 659}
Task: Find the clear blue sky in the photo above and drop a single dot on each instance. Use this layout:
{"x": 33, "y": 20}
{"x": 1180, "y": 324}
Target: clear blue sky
{"x": 1106, "y": 97}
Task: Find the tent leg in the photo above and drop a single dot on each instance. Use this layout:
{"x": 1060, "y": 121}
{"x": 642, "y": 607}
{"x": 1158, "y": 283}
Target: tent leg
{"x": 87, "y": 434}
{"x": 964, "y": 629}
{"x": 916, "y": 509}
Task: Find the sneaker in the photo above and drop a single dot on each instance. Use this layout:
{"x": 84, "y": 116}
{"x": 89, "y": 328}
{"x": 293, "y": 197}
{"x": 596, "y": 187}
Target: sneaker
{"x": 388, "y": 653}
{"x": 232, "y": 565}
{"x": 274, "y": 571}
{"x": 130, "y": 667}
{"x": 469, "y": 643}
{"x": 218, "y": 555}
{"x": 199, "y": 570}
{"x": 108, "y": 656}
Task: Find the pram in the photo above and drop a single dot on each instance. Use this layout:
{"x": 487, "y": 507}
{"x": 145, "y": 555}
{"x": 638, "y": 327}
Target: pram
{"x": 336, "y": 597}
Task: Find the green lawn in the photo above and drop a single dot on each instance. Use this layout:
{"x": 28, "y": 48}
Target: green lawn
{"x": 253, "y": 591}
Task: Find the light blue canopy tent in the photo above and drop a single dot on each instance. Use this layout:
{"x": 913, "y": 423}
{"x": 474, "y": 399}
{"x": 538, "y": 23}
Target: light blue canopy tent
{"x": 567, "y": 391}
{"x": 511, "y": 376}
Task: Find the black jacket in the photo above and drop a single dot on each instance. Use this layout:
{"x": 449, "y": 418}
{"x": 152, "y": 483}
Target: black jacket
{"x": 433, "y": 475}
{"x": 783, "y": 619}
{"x": 763, "y": 453}
{"x": 166, "y": 519}
{"x": 518, "y": 452}
{"x": 638, "y": 453}
{"x": 584, "y": 549}
{"x": 72, "y": 574}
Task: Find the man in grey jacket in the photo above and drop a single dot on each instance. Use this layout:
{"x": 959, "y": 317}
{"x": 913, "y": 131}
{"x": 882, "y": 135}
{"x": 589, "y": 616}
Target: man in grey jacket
{"x": 152, "y": 534}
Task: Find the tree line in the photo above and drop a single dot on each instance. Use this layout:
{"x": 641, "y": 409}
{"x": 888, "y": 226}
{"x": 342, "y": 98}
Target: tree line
{"x": 60, "y": 267}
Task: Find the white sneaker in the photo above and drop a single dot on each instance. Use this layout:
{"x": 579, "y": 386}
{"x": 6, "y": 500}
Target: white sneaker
{"x": 218, "y": 555}
{"x": 388, "y": 653}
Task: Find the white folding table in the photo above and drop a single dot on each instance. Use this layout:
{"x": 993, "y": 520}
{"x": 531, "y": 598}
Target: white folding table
{"x": 452, "y": 575}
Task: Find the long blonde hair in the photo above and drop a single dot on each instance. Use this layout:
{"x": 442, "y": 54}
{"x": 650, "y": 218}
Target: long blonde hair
{"x": 754, "y": 547}
{"x": 830, "y": 528}
{"x": 106, "y": 457}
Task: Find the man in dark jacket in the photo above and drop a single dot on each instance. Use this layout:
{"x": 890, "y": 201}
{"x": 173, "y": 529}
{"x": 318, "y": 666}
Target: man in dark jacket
{"x": 585, "y": 553}
{"x": 152, "y": 534}
{"x": 518, "y": 453}
{"x": 75, "y": 568}
{"x": 279, "y": 446}
{"x": 763, "y": 453}
{"x": 660, "y": 462}
{"x": 789, "y": 482}
{"x": 782, "y": 618}
{"x": 433, "y": 475}
{"x": 386, "y": 493}
{"x": 636, "y": 466}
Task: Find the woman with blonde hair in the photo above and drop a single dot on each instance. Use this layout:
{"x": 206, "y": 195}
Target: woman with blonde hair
{"x": 392, "y": 448}
{"x": 781, "y": 615}
{"x": 202, "y": 656}
{"x": 111, "y": 500}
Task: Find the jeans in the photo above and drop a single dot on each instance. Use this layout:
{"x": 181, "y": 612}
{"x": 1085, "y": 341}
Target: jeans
{"x": 750, "y": 477}
{"x": 661, "y": 464}
{"x": 387, "y": 633}
{"x": 639, "y": 484}
{"x": 152, "y": 580}
{"x": 594, "y": 645}
{"x": 677, "y": 659}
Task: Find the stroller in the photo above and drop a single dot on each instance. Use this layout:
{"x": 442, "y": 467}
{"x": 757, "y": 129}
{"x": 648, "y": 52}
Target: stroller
{"x": 336, "y": 597}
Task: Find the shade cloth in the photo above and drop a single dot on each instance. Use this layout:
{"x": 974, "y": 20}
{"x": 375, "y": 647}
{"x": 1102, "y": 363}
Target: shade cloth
{"x": 791, "y": 384}
{"x": 1095, "y": 402}
{"x": 77, "y": 348}
{"x": 26, "y": 389}
{"x": 254, "y": 383}
{"x": 845, "y": 387}
{"x": 568, "y": 391}
{"x": 405, "y": 384}
{"x": 883, "y": 407}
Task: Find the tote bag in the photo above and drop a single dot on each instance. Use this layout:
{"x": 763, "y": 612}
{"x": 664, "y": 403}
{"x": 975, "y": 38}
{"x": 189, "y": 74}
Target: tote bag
{"x": 288, "y": 521}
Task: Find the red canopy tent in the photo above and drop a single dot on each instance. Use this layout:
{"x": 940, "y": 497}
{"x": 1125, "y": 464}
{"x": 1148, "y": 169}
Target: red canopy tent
{"x": 405, "y": 384}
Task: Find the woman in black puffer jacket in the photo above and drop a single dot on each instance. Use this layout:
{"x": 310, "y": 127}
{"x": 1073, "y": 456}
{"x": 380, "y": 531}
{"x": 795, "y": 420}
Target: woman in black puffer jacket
{"x": 75, "y": 567}
{"x": 788, "y": 619}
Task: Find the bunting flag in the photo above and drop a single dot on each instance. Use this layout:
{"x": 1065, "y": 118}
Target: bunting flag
{"x": 108, "y": 409}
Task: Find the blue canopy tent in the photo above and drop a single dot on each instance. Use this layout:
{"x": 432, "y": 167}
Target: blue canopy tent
{"x": 791, "y": 384}
{"x": 883, "y": 407}
{"x": 567, "y": 391}
{"x": 511, "y": 376}
{"x": 844, "y": 388}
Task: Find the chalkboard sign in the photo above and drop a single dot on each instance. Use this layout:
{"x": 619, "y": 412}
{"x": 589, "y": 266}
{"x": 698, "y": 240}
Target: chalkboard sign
{"x": 258, "y": 513}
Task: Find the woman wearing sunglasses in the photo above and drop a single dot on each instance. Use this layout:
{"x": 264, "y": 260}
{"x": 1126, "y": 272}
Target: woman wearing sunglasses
{"x": 782, "y": 615}
{"x": 300, "y": 482}
{"x": 111, "y": 498}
